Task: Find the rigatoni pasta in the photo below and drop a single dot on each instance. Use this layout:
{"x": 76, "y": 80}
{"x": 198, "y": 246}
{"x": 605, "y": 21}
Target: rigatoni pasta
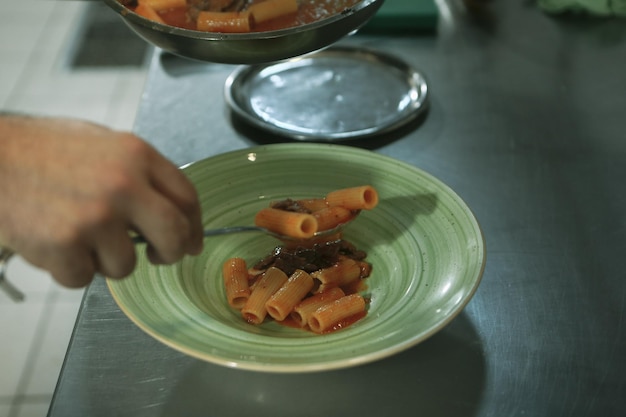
{"x": 287, "y": 223}
{"x": 312, "y": 204}
{"x": 236, "y": 284}
{"x": 229, "y": 16}
{"x": 144, "y": 9}
{"x": 305, "y": 218}
{"x": 161, "y": 5}
{"x": 289, "y": 295}
{"x": 344, "y": 272}
{"x": 271, "y": 9}
{"x": 315, "y": 286}
{"x": 358, "y": 198}
{"x": 254, "y": 310}
{"x": 231, "y": 22}
{"x": 302, "y": 312}
{"x": 330, "y": 217}
{"x": 296, "y": 299}
{"x": 334, "y": 312}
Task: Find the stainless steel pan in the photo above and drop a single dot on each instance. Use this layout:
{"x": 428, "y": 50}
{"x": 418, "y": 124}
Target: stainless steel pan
{"x": 249, "y": 48}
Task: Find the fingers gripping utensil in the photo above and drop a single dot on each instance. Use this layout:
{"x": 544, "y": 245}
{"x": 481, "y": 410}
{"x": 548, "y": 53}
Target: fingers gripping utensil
{"x": 16, "y": 295}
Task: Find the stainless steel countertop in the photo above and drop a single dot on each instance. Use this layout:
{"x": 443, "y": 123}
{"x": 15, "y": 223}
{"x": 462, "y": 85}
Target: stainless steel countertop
{"x": 527, "y": 122}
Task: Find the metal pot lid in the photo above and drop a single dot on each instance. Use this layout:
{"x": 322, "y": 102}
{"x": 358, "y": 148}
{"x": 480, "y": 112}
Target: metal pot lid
{"x": 339, "y": 93}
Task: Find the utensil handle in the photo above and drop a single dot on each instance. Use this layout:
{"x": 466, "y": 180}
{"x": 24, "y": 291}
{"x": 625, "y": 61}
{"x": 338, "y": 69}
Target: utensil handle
{"x": 10, "y": 290}
{"x": 233, "y": 229}
{"x": 6, "y": 286}
{"x": 214, "y": 232}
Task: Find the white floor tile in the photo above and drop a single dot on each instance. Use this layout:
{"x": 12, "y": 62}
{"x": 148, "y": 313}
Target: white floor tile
{"x": 57, "y": 92}
{"x": 33, "y": 282}
{"x": 66, "y": 11}
{"x": 51, "y": 352}
{"x": 126, "y": 98}
{"x": 18, "y": 323}
{"x": 85, "y": 107}
{"x": 67, "y": 295}
{"x": 67, "y": 30}
{"x": 56, "y": 44}
{"x": 26, "y": 9}
{"x": 64, "y": 84}
{"x": 19, "y": 35}
{"x": 17, "y": 42}
{"x": 4, "y": 410}
{"x": 33, "y": 410}
{"x": 36, "y": 40}
{"x": 10, "y": 73}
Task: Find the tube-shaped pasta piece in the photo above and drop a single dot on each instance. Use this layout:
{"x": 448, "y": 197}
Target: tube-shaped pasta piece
{"x": 254, "y": 310}
{"x": 331, "y": 217}
{"x": 328, "y": 315}
{"x": 160, "y": 5}
{"x": 301, "y": 313}
{"x": 148, "y": 12}
{"x": 313, "y": 204}
{"x": 288, "y": 223}
{"x": 229, "y": 22}
{"x": 343, "y": 272}
{"x": 235, "y": 273}
{"x": 356, "y": 198}
{"x": 291, "y": 293}
{"x": 272, "y": 9}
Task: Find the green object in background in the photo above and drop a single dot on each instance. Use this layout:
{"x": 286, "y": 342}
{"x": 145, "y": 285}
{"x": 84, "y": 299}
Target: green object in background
{"x": 402, "y": 16}
{"x": 604, "y": 8}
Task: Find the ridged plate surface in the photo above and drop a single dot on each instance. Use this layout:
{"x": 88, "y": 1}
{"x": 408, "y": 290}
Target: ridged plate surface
{"x": 426, "y": 247}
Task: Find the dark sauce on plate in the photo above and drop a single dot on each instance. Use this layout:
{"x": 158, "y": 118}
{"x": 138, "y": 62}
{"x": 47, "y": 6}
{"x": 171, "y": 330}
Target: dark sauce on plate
{"x": 313, "y": 258}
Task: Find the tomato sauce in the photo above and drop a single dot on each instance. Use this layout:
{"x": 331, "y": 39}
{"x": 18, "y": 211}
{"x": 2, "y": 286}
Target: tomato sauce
{"x": 311, "y": 259}
{"x": 178, "y": 18}
{"x": 289, "y": 322}
{"x": 309, "y": 11}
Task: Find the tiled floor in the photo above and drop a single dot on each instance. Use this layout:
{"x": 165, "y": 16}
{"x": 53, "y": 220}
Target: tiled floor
{"x": 37, "y": 37}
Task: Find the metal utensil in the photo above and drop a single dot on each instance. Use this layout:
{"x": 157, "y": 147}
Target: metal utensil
{"x": 245, "y": 229}
{"x": 17, "y": 295}
{"x": 249, "y": 48}
{"x": 6, "y": 286}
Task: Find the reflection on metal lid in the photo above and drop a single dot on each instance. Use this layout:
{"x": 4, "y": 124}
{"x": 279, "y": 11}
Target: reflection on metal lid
{"x": 336, "y": 94}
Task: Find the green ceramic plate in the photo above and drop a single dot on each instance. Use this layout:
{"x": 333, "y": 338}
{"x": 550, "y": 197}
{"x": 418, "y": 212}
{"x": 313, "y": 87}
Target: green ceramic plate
{"x": 426, "y": 247}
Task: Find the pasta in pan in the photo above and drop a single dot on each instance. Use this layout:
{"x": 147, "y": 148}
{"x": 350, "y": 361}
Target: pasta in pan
{"x": 236, "y": 16}
{"x": 267, "y": 10}
{"x": 317, "y": 286}
{"x": 232, "y": 22}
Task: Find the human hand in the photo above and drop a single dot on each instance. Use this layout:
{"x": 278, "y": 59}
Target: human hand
{"x": 70, "y": 192}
